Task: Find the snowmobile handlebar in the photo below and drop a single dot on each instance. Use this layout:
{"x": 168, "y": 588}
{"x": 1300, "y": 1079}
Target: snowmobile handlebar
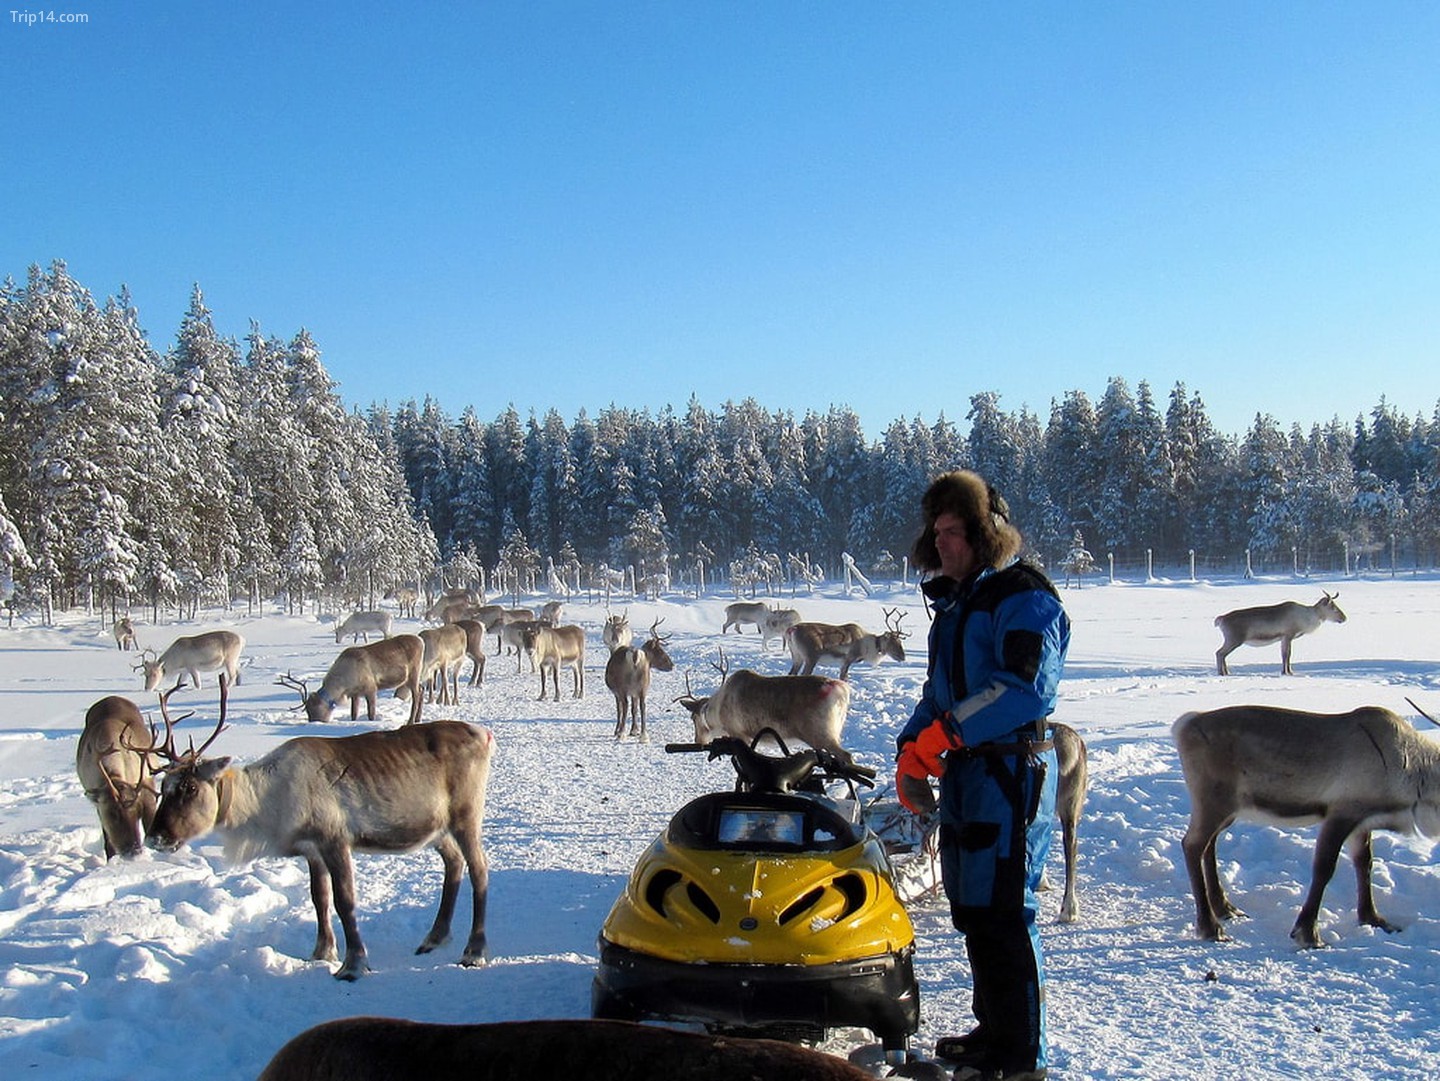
{"x": 762, "y": 772}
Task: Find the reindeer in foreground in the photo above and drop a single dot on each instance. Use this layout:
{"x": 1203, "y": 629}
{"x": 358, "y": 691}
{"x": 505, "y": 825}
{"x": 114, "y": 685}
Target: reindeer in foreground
{"x": 363, "y": 672}
{"x": 1283, "y": 623}
{"x": 847, "y": 643}
{"x": 209, "y": 652}
{"x": 124, "y": 632}
{"x": 324, "y": 798}
{"x": 1352, "y": 772}
{"x": 808, "y": 708}
{"x": 362, "y": 625}
{"x": 627, "y": 674}
{"x": 554, "y": 648}
{"x": 383, "y": 1048}
{"x": 116, "y": 765}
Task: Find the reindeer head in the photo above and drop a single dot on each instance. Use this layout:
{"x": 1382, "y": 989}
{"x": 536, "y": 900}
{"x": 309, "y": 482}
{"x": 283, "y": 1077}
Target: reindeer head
{"x": 889, "y": 642}
{"x": 190, "y": 802}
{"x": 153, "y": 667}
{"x": 655, "y": 650}
{"x": 1328, "y": 609}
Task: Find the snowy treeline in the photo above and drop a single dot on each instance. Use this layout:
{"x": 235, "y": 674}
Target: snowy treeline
{"x": 219, "y": 469}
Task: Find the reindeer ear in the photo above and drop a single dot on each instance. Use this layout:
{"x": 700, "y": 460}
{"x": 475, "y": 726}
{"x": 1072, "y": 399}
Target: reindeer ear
{"x": 212, "y": 768}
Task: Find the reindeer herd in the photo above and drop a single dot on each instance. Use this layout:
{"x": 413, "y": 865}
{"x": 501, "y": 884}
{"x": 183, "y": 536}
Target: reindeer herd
{"x": 323, "y": 798}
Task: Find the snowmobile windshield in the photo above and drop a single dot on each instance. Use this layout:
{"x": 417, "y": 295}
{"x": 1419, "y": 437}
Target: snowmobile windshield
{"x": 762, "y": 823}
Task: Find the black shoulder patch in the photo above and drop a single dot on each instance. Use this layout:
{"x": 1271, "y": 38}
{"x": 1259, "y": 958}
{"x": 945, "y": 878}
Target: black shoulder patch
{"x": 1021, "y": 651}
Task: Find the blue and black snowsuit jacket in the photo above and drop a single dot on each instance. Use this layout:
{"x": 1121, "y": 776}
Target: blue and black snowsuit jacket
{"x": 997, "y": 648}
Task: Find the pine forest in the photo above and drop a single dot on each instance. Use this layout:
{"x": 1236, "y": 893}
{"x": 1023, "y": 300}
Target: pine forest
{"x": 219, "y": 472}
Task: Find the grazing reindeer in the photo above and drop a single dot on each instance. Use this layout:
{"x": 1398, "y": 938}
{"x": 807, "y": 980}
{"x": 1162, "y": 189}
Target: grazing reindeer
{"x": 807, "y": 708}
{"x": 209, "y": 652}
{"x": 322, "y": 799}
{"x": 124, "y": 632}
{"x": 1283, "y": 623}
{"x": 811, "y": 643}
{"x": 116, "y": 765}
{"x": 363, "y": 672}
{"x": 384, "y": 1048}
{"x": 554, "y": 648}
{"x": 362, "y": 625}
{"x": 627, "y": 674}
{"x": 1352, "y": 772}
{"x": 616, "y": 633}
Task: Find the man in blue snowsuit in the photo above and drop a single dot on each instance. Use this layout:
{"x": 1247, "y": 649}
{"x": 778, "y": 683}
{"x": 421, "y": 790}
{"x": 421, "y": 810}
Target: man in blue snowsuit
{"x": 997, "y": 646}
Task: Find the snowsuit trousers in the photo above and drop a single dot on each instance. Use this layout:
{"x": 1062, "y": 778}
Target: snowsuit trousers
{"x": 999, "y": 810}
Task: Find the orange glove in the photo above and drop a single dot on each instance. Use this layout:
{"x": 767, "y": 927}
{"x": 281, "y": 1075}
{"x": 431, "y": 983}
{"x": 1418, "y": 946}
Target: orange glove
{"x": 912, "y": 782}
{"x": 934, "y": 741}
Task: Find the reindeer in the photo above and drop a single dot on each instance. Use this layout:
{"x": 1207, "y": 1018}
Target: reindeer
{"x": 363, "y": 672}
{"x": 1072, "y": 784}
{"x": 124, "y": 632}
{"x": 1352, "y": 772}
{"x": 475, "y": 632}
{"x": 554, "y": 648}
{"x": 550, "y": 612}
{"x": 435, "y": 613}
{"x": 322, "y": 799}
{"x": 116, "y": 764}
{"x": 753, "y": 612}
{"x": 807, "y": 708}
{"x": 208, "y": 652}
{"x": 810, "y": 643}
{"x": 405, "y": 599}
{"x": 627, "y": 675}
{"x": 445, "y": 647}
{"x": 616, "y": 633}
{"x": 775, "y": 623}
{"x": 362, "y": 624}
{"x": 1283, "y": 623}
{"x": 383, "y": 1048}
{"x": 508, "y": 629}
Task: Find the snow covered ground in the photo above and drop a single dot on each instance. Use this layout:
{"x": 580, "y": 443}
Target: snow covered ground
{"x": 180, "y": 963}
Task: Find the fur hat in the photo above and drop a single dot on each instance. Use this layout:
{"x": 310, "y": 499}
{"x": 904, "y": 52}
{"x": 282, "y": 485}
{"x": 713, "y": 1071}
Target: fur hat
{"x": 966, "y": 495}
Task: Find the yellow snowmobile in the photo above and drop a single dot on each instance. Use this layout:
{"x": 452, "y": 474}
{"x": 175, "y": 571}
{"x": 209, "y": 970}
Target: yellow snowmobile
{"x": 769, "y": 910}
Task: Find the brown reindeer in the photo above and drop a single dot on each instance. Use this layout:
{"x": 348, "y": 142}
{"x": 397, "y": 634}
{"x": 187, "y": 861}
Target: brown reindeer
{"x": 363, "y": 672}
{"x": 386, "y": 1049}
{"x": 116, "y": 761}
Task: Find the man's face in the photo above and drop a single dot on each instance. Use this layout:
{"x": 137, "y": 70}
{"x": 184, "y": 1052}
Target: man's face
{"x": 957, "y": 558}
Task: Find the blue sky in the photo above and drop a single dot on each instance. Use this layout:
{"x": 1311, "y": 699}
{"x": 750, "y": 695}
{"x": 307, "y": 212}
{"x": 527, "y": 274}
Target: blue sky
{"x": 889, "y": 206}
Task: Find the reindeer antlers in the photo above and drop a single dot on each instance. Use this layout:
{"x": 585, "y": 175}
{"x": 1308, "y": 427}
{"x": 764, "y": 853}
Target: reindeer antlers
{"x": 893, "y": 617}
{"x": 289, "y": 680}
{"x": 167, "y": 750}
